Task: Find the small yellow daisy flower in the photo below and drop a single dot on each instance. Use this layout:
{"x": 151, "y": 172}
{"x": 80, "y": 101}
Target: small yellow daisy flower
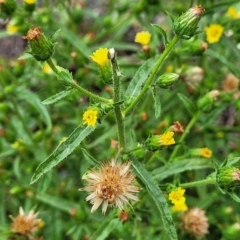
{"x": 47, "y": 69}
{"x": 90, "y": 117}
{"x": 167, "y": 138}
{"x": 180, "y": 207}
{"x": 100, "y": 56}
{"x": 232, "y": 13}
{"x": 30, "y": 1}
{"x": 214, "y": 33}
{"x": 176, "y": 196}
{"x": 11, "y": 29}
{"x": 143, "y": 37}
{"x": 206, "y": 152}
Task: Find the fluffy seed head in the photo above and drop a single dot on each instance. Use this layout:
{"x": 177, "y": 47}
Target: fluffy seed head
{"x": 111, "y": 184}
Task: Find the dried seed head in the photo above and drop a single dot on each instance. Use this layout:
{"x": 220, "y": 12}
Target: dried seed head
{"x": 195, "y": 222}
{"x": 111, "y": 184}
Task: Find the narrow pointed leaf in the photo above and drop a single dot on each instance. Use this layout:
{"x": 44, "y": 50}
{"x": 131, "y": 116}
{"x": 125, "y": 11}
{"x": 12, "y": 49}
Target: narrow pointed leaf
{"x": 157, "y": 103}
{"x": 162, "y": 32}
{"x": 62, "y": 151}
{"x": 187, "y": 103}
{"x": 57, "y": 97}
{"x": 158, "y": 197}
{"x": 139, "y": 79}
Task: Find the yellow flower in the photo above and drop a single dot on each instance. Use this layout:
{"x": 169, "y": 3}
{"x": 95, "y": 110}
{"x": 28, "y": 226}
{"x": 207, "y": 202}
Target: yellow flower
{"x": 182, "y": 207}
{"x": 214, "y": 33}
{"x": 26, "y": 224}
{"x": 169, "y": 68}
{"x": 11, "y": 29}
{"x": 176, "y": 196}
{"x": 143, "y": 37}
{"x": 111, "y": 184}
{"x": 232, "y": 13}
{"x": 206, "y": 152}
{"x": 100, "y": 56}
{"x": 90, "y": 117}
{"x": 167, "y": 138}
{"x": 30, "y": 1}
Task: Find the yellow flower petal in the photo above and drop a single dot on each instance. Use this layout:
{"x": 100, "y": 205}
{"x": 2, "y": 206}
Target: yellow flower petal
{"x": 143, "y": 38}
{"x": 232, "y": 13}
{"x": 205, "y": 152}
{"x": 167, "y": 138}
{"x": 100, "y": 56}
{"x": 214, "y": 33}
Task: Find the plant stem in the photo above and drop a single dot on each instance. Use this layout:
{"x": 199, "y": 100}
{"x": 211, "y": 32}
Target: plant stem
{"x": 154, "y": 71}
{"x": 116, "y": 100}
{"x": 184, "y": 135}
{"x": 74, "y": 84}
{"x": 210, "y": 180}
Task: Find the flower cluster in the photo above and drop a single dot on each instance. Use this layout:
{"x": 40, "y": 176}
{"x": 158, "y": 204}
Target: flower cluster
{"x": 176, "y": 196}
{"x": 111, "y": 184}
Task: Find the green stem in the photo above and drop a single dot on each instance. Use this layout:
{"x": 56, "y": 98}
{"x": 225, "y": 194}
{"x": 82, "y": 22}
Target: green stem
{"x": 207, "y": 181}
{"x": 154, "y": 71}
{"x": 116, "y": 100}
{"x": 184, "y": 135}
{"x": 79, "y": 88}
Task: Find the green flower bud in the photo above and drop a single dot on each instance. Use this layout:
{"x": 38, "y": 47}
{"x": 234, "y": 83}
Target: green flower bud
{"x": 186, "y": 25}
{"x": 167, "y": 80}
{"x": 206, "y": 103}
{"x": 231, "y": 232}
{"x": 228, "y": 177}
{"x": 8, "y": 7}
{"x": 42, "y": 47}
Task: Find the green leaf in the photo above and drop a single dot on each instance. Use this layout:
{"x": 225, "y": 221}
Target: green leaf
{"x": 33, "y": 100}
{"x": 62, "y": 151}
{"x": 187, "y": 103}
{"x": 157, "y": 102}
{"x": 162, "y": 32}
{"x": 105, "y": 228}
{"x": 76, "y": 42}
{"x": 55, "y": 35}
{"x": 89, "y": 157}
{"x": 25, "y": 56}
{"x": 232, "y": 161}
{"x": 223, "y": 60}
{"x": 56, "y": 202}
{"x": 139, "y": 79}
{"x": 158, "y": 197}
{"x": 234, "y": 196}
{"x": 181, "y": 166}
{"x": 57, "y": 97}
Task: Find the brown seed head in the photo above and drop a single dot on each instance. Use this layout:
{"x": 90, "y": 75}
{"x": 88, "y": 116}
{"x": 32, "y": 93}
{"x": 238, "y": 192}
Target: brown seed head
{"x": 195, "y": 222}
{"x": 33, "y": 34}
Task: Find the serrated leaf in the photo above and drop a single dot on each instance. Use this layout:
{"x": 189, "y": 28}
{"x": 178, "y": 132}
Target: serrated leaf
{"x": 57, "y": 97}
{"x": 33, "y": 100}
{"x": 62, "y": 151}
{"x": 187, "y": 103}
{"x": 180, "y": 166}
{"x": 139, "y": 79}
{"x": 158, "y": 197}
{"x": 55, "y": 35}
{"x": 157, "y": 103}
{"x": 162, "y": 32}
{"x": 25, "y": 56}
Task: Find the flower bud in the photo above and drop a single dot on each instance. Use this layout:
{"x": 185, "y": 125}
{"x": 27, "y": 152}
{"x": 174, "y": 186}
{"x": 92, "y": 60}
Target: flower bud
{"x": 193, "y": 76}
{"x": 155, "y": 142}
{"x": 8, "y": 7}
{"x": 206, "y": 103}
{"x": 41, "y": 46}
{"x": 167, "y": 80}
{"x": 228, "y": 177}
{"x": 186, "y": 25}
{"x": 231, "y": 232}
